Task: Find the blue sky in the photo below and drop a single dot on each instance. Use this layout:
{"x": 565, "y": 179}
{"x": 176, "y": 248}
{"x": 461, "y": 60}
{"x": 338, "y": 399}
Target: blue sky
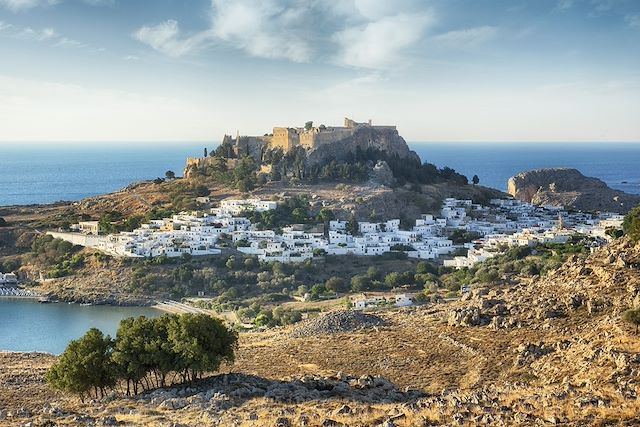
{"x": 442, "y": 70}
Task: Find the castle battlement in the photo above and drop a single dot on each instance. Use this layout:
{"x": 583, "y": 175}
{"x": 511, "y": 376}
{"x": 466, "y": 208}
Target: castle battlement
{"x": 320, "y": 142}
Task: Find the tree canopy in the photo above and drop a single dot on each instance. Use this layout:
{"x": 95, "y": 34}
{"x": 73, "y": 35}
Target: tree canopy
{"x": 143, "y": 355}
{"x": 631, "y": 224}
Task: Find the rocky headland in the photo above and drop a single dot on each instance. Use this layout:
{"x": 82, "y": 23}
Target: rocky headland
{"x": 565, "y": 187}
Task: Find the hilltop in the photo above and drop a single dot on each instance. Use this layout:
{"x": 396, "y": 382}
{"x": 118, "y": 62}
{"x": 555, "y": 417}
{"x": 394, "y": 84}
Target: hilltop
{"x": 550, "y": 350}
{"x": 569, "y": 188}
{"x": 317, "y": 146}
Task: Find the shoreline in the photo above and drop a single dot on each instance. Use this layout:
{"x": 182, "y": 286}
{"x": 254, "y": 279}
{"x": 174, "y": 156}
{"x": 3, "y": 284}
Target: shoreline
{"x": 20, "y": 297}
{"x": 175, "y": 307}
{"x": 18, "y": 293}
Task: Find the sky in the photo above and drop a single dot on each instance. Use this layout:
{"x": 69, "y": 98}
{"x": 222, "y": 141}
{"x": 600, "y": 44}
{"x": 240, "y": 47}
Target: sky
{"x": 441, "y": 70}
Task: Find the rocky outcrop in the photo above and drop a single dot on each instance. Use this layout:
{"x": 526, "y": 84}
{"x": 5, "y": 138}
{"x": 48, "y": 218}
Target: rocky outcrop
{"x": 570, "y": 189}
{"x": 381, "y": 174}
{"x": 381, "y": 138}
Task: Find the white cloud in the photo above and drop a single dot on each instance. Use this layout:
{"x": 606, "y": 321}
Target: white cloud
{"x": 468, "y": 37}
{"x": 29, "y": 33}
{"x": 360, "y": 33}
{"x": 265, "y": 29}
{"x": 166, "y": 38}
{"x": 18, "y": 5}
{"x": 67, "y": 42}
{"x": 564, "y": 4}
{"x": 603, "y": 5}
{"x": 633, "y": 21}
{"x": 4, "y": 27}
{"x": 48, "y": 35}
{"x": 379, "y": 44}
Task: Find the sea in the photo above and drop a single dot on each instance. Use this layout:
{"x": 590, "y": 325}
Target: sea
{"x": 27, "y": 325}
{"x": 46, "y": 173}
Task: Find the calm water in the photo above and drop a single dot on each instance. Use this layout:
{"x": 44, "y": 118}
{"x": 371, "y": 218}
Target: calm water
{"x": 45, "y": 174}
{"x": 31, "y": 174}
{"x": 616, "y": 164}
{"x": 27, "y": 325}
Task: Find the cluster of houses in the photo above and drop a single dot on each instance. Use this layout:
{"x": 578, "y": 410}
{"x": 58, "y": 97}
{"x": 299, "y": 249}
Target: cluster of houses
{"x": 8, "y": 279}
{"x": 502, "y": 224}
{"x": 508, "y": 223}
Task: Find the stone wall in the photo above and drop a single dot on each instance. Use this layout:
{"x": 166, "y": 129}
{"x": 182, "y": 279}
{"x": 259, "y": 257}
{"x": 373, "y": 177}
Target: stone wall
{"x": 285, "y": 138}
{"x": 348, "y": 141}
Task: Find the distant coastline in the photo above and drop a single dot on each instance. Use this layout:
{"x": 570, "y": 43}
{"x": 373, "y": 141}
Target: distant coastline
{"x": 39, "y": 175}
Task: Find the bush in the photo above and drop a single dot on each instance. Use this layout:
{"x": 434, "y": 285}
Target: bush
{"x": 631, "y": 224}
{"x": 632, "y": 316}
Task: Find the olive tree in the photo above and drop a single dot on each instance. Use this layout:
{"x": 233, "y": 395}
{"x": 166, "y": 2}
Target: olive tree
{"x": 85, "y": 366}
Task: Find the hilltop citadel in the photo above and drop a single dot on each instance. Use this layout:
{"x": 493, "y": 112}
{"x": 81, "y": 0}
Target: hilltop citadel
{"x": 320, "y": 143}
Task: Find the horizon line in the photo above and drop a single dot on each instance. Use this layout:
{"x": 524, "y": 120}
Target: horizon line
{"x": 194, "y": 142}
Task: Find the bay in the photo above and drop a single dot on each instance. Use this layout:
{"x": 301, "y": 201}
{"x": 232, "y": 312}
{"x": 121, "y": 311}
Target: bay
{"x": 27, "y": 325}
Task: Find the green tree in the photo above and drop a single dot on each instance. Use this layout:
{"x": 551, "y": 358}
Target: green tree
{"x": 475, "y": 180}
{"x": 244, "y": 174}
{"x": 424, "y": 267}
{"x": 352, "y": 225}
{"x": 335, "y": 284}
{"x": 170, "y": 174}
{"x": 325, "y": 215}
{"x": 299, "y": 215}
{"x": 393, "y": 280}
{"x": 105, "y": 224}
{"x": 308, "y": 125}
{"x": 633, "y": 317}
{"x": 201, "y": 191}
{"x": 360, "y": 283}
{"x": 134, "y": 351}
{"x": 85, "y": 366}
{"x": 133, "y": 222}
{"x": 201, "y": 344}
{"x": 614, "y": 233}
{"x": 631, "y": 224}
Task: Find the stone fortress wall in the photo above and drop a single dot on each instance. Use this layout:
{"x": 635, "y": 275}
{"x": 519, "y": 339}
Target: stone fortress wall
{"x": 289, "y": 138}
{"x": 313, "y": 140}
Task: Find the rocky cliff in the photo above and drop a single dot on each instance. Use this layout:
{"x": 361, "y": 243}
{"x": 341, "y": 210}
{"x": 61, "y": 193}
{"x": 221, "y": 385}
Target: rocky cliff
{"x": 571, "y": 189}
{"x": 386, "y": 139}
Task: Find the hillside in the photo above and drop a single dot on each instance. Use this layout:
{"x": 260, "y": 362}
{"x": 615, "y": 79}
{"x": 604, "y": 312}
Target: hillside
{"x": 551, "y": 351}
{"x": 569, "y": 188}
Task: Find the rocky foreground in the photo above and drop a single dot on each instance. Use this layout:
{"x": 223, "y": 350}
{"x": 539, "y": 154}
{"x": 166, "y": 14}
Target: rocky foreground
{"x": 547, "y": 351}
{"x": 565, "y": 187}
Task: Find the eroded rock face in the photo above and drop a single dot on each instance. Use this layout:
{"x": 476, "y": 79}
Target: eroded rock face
{"x": 364, "y": 137}
{"x": 382, "y": 174}
{"x": 569, "y": 188}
